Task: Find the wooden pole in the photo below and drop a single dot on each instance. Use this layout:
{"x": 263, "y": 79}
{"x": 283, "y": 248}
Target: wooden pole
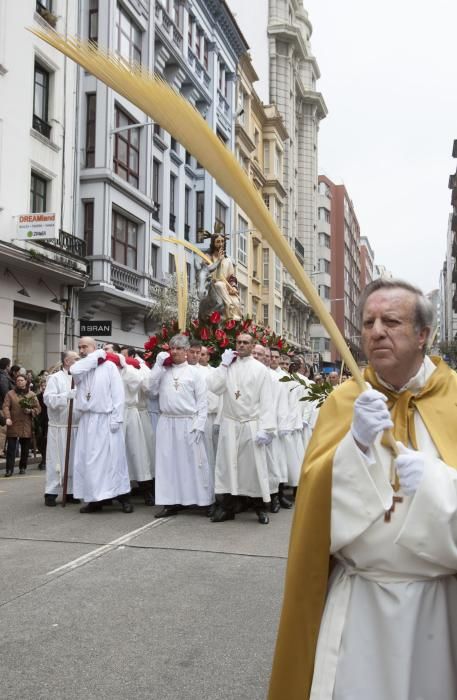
{"x": 67, "y": 449}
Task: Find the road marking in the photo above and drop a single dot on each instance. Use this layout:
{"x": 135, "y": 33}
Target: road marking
{"x": 100, "y": 551}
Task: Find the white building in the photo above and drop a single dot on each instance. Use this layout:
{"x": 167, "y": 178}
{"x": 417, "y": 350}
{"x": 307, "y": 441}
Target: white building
{"x": 288, "y": 72}
{"x": 39, "y": 281}
{"x": 448, "y": 279}
{"x": 138, "y": 183}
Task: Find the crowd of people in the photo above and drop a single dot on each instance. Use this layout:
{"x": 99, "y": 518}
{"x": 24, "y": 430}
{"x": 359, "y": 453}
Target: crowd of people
{"x": 184, "y": 434}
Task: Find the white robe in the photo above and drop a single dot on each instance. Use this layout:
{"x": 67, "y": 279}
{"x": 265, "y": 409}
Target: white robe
{"x": 183, "y": 475}
{"x": 145, "y": 416}
{"x": 389, "y": 628}
{"x": 211, "y": 438}
{"x": 135, "y": 440}
{"x": 100, "y": 466}
{"x": 55, "y": 398}
{"x": 276, "y": 455}
{"x": 288, "y": 420}
{"x": 241, "y": 464}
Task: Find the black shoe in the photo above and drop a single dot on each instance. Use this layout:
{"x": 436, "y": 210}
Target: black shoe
{"x": 8, "y": 473}
{"x": 21, "y": 470}
{"x": 220, "y": 515}
{"x": 126, "y": 507}
{"x": 275, "y": 505}
{"x": 41, "y": 466}
{"x": 262, "y": 517}
{"x": 167, "y": 511}
{"x": 285, "y": 503}
{"x": 91, "y": 507}
{"x": 211, "y": 510}
{"x": 50, "y": 499}
{"x": 72, "y": 499}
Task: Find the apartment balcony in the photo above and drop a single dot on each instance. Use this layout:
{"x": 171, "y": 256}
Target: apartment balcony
{"x": 169, "y": 28}
{"x": 66, "y": 250}
{"x": 125, "y": 279}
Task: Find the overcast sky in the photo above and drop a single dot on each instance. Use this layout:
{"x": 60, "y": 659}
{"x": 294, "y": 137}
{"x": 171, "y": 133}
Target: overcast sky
{"x": 389, "y": 78}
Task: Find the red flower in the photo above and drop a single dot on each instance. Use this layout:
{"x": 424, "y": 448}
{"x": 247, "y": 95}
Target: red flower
{"x": 151, "y": 343}
{"x": 133, "y": 361}
{"x": 253, "y": 329}
{"x": 204, "y": 334}
{"x": 195, "y": 323}
{"x": 211, "y": 349}
{"x": 224, "y": 342}
{"x": 279, "y": 344}
{"x": 230, "y": 325}
{"x": 264, "y": 340}
{"x": 246, "y": 325}
{"x": 215, "y": 317}
{"x": 164, "y": 332}
{"x": 219, "y": 334}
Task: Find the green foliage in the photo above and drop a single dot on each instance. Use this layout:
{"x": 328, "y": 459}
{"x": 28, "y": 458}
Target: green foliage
{"x": 314, "y": 392}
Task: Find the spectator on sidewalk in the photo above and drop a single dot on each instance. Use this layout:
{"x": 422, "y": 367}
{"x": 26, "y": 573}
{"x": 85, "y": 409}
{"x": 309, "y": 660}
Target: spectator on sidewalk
{"x": 6, "y": 384}
{"x": 19, "y": 408}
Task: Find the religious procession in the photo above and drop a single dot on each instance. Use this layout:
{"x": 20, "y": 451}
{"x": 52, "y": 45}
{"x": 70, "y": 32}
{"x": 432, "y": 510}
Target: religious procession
{"x": 291, "y": 382}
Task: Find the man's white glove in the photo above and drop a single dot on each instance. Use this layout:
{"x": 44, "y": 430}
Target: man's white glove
{"x": 371, "y": 417}
{"x": 197, "y": 435}
{"x": 100, "y": 353}
{"x": 410, "y": 466}
{"x": 161, "y": 357}
{"x": 122, "y": 360}
{"x": 228, "y": 357}
{"x": 114, "y": 427}
{"x": 263, "y": 438}
{"x": 71, "y": 394}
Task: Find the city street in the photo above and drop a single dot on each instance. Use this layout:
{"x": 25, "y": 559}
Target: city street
{"x": 112, "y": 605}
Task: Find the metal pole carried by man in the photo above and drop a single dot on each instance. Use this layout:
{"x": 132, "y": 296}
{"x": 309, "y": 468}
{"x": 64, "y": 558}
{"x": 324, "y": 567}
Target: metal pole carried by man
{"x": 384, "y": 624}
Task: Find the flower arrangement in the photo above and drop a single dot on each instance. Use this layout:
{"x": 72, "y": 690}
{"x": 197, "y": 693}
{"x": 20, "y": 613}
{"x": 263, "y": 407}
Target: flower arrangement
{"x": 216, "y": 334}
{"x": 27, "y": 402}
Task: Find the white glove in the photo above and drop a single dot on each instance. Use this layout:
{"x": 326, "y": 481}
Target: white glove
{"x": 71, "y": 394}
{"x": 228, "y": 357}
{"x": 263, "y": 438}
{"x": 122, "y": 360}
{"x": 99, "y": 353}
{"x": 114, "y": 427}
{"x": 370, "y": 417}
{"x": 197, "y": 435}
{"x": 161, "y": 357}
{"x": 410, "y": 466}
{"x": 283, "y": 433}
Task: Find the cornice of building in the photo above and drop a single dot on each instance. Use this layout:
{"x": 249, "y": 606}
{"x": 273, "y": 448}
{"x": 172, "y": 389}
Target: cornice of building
{"x": 291, "y": 35}
{"x": 316, "y": 99}
{"x": 243, "y": 138}
{"x": 274, "y": 186}
{"x": 227, "y": 23}
{"x": 107, "y": 176}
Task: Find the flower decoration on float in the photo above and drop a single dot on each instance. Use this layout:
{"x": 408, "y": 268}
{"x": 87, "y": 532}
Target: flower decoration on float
{"x": 215, "y": 333}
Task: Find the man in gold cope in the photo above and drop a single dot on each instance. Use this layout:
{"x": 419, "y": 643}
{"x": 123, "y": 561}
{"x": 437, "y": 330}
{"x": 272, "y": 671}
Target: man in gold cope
{"x": 384, "y": 623}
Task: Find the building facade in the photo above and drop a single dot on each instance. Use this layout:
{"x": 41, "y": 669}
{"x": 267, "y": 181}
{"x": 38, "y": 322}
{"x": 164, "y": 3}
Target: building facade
{"x": 40, "y": 278}
{"x": 366, "y": 262}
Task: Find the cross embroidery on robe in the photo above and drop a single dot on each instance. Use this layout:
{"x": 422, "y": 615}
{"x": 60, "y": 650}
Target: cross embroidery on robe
{"x": 388, "y": 513}
{"x": 237, "y": 394}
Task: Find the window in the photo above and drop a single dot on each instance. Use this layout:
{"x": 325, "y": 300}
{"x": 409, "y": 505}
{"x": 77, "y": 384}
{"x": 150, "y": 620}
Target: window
{"x": 187, "y": 213}
{"x": 89, "y": 227}
{"x": 254, "y": 310}
{"x": 324, "y": 266}
{"x": 41, "y": 101}
{"x": 266, "y": 157}
{"x": 278, "y": 320}
{"x": 173, "y": 180}
{"x": 171, "y": 264}
{"x": 242, "y": 240}
{"x": 220, "y": 218}
{"x": 188, "y": 158}
{"x": 324, "y": 291}
{"x": 266, "y": 265}
{"x": 324, "y": 240}
{"x": 124, "y": 236}
{"x": 126, "y": 149}
{"x": 44, "y": 9}
{"x": 93, "y": 21}
{"x": 190, "y": 30}
{"x": 278, "y": 212}
{"x": 128, "y": 37}
{"x": 173, "y": 144}
{"x": 176, "y": 16}
{"x": 221, "y": 76}
{"x": 200, "y": 214}
{"x": 265, "y": 315}
{"x": 266, "y": 200}
{"x": 154, "y": 261}
{"x": 198, "y": 41}
{"x": 156, "y": 189}
{"x": 243, "y": 297}
{"x": 278, "y": 162}
{"x": 38, "y": 193}
{"x": 278, "y": 271}
{"x": 205, "y": 53}
{"x": 324, "y": 189}
{"x": 324, "y": 214}
{"x": 90, "y": 129}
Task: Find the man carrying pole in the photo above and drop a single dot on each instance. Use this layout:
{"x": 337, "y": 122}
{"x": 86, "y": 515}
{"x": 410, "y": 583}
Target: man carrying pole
{"x": 385, "y": 624}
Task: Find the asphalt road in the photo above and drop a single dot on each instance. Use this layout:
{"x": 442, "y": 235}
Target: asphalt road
{"x": 114, "y": 606}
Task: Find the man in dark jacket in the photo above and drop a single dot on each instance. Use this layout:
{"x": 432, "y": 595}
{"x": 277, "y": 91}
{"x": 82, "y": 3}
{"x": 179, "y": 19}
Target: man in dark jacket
{"x": 6, "y": 383}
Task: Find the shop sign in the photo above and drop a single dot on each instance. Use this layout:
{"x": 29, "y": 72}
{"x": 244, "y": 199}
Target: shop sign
{"x": 95, "y": 327}
{"x": 33, "y": 227}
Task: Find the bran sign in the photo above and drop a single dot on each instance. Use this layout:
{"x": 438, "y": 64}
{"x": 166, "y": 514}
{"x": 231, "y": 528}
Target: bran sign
{"x": 95, "y": 327}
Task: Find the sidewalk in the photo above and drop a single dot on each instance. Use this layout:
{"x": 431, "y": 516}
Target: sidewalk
{"x": 33, "y": 462}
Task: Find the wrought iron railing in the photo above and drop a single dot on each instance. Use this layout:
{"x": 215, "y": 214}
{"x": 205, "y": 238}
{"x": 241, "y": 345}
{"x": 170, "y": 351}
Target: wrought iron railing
{"x": 41, "y": 126}
{"x": 68, "y": 243}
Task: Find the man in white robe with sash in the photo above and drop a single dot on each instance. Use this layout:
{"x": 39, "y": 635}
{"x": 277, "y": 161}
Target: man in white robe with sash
{"x": 57, "y": 396}
{"x": 211, "y": 427}
{"x": 183, "y": 476}
{"x": 100, "y": 467}
{"x": 387, "y": 626}
{"x": 247, "y": 426}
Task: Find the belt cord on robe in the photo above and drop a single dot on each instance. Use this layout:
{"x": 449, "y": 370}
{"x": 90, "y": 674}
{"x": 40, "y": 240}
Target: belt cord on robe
{"x": 67, "y": 449}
